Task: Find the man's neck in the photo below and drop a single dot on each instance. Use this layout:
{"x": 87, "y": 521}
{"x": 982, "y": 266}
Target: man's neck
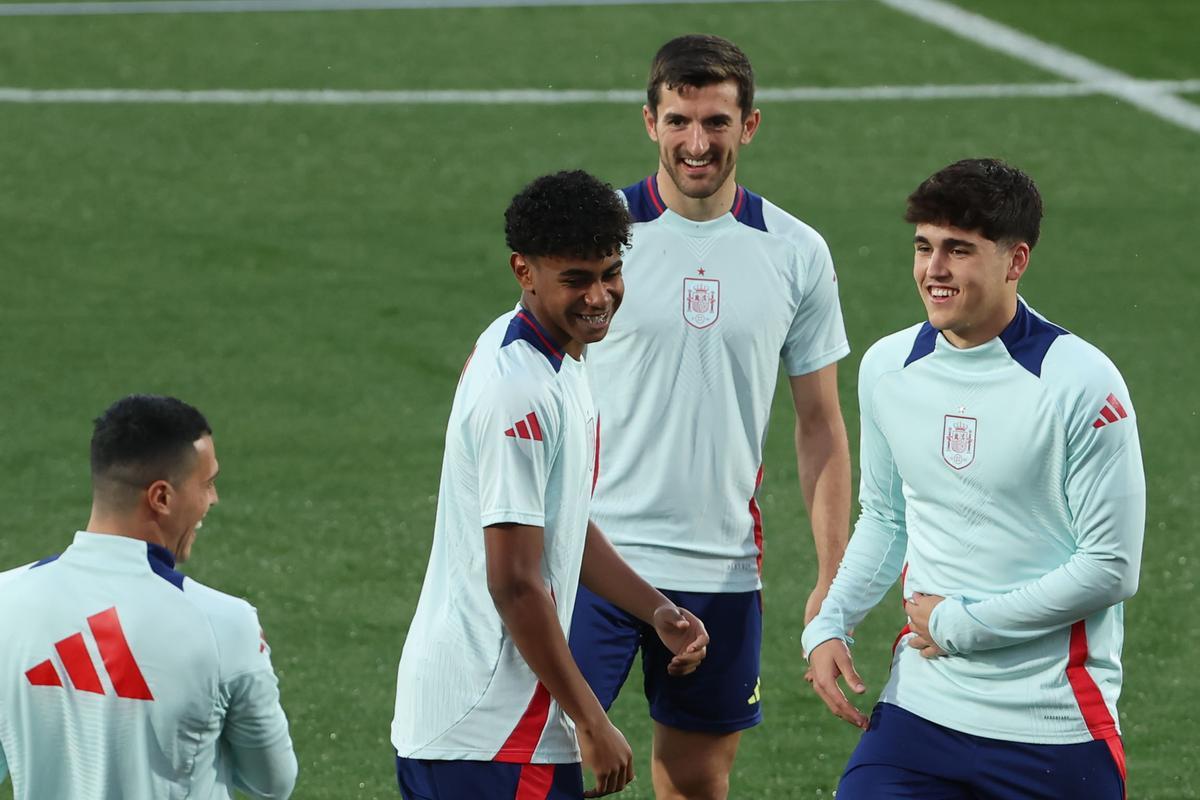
{"x": 697, "y": 209}
{"x": 124, "y": 525}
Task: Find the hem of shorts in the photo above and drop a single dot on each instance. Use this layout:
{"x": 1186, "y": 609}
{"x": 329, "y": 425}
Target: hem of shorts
{"x": 1080, "y": 737}
{"x": 712, "y": 727}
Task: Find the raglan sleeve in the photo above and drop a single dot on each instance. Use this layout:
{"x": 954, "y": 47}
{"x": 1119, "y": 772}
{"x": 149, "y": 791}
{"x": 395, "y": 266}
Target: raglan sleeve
{"x": 255, "y": 733}
{"x": 514, "y": 429}
{"x": 875, "y": 555}
{"x": 817, "y": 335}
{"x": 1105, "y": 491}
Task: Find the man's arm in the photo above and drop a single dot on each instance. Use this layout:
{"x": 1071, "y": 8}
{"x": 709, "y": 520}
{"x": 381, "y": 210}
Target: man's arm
{"x": 256, "y": 734}
{"x": 823, "y": 460}
{"x": 1106, "y": 493}
{"x": 871, "y": 564}
{"x": 526, "y": 607}
{"x": 606, "y": 573}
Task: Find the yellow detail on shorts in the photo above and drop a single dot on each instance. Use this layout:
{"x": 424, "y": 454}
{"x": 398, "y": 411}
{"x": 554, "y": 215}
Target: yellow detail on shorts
{"x": 754, "y": 698}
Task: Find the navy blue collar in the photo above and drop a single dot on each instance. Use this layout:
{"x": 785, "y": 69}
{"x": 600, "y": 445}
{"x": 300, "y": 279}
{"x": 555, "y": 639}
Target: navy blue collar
{"x": 162, "y": 562}
{"x": 524, "y": 326}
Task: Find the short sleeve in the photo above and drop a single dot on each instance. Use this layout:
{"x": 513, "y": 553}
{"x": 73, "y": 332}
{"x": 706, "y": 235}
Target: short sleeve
{"x": 515, "y": 429}
{"x": 817, "y": 336}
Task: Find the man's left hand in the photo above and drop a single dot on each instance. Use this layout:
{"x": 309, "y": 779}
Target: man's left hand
{"x": 919, "y": 609}
{"x": 684, "y": 635}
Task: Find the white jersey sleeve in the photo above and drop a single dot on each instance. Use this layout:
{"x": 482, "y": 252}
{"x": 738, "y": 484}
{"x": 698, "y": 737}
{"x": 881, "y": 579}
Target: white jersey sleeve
{"x": 509, "y": 425}
{"x": 1106, "y": 495}
{"x": 817, "y": 336}
{"x": 255, "y": 731}
{"x": 875, "y": 555}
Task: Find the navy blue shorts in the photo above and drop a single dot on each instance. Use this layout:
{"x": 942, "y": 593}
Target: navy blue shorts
{"x": 903, "y": 756}
{"x": 421, "y": 779}
{"x": 721, "y": 696}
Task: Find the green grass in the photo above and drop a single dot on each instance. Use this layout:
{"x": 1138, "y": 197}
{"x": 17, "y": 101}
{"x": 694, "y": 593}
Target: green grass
{"x": 313, "y": 277}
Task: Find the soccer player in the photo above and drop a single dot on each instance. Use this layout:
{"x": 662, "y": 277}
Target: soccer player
{"x": 1002, "y": 483}
{"x": 120, "y": 676}
{"x": 489, "y": 702}
{"x": 723, "y": 285}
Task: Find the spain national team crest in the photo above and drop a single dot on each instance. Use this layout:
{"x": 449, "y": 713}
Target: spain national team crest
{"x": 958, "y": 440}
{"x": 701, "y": 301}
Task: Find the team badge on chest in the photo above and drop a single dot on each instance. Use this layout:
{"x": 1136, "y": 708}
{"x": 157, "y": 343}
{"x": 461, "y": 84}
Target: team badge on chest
{"x": 958, "y": 440}
{"x": 701, "y": 301}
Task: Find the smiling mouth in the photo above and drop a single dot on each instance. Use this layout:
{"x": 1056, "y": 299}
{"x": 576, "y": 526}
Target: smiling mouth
{"x": 942, "y": 293}
{"x": 697, "y": 163}
{"x": 596, "y": 319}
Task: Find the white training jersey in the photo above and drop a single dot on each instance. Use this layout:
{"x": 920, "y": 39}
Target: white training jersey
{"x": 685, "y": 379}
{"x": 121, "y": 678}
{"x": 520, "y": 448}
{"x": 1008, "y": 477}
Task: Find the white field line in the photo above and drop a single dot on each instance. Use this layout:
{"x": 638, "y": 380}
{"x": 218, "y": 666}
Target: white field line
{"x": 336, "y": 97}
{"x": 1055, "y": 60}
{"x": 53, "y": 9}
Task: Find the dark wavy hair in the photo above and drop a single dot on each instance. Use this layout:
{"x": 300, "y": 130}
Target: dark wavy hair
{"x": 700, "y": 60}
{"x": 567, "y": 215}
{"x": 980, "y": 194}
{"x": 143, "y": 438}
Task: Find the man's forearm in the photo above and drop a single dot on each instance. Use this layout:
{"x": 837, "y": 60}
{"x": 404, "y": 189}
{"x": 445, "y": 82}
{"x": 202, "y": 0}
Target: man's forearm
{"x": 606, "y": 573}
{"x": 528, "y": 612}
{"x": 823, "y": 461}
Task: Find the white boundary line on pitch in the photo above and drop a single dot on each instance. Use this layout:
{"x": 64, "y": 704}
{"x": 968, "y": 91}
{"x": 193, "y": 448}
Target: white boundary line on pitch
{"x": 71, "y": 9}
{"x": 338, "y": 97}
{"x": 1055, "y": 60}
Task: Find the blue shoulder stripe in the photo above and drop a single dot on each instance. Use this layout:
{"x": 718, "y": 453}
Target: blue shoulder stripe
{"x": 748, "y": 209}
{"x": 1028, "y": 338}
{"x": 923, "y": 345}
{"x": 645, "y": 203}
{"x": 525, "y": 327}
{"x": 163, "y": 564}
{"x": 46, "y": 561}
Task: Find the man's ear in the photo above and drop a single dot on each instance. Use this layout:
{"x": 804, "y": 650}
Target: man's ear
{"x": 522, "y": 270}
{"x": 651, "y": 122}
{"x": 159, "y": 495}
{"x": 1018, "y": 261}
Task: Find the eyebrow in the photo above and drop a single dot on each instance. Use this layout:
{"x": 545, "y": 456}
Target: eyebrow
{"x": 918, "y": 239}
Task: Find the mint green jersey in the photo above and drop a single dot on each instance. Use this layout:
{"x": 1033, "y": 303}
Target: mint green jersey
{"x": 1008, "y": 479}
{"x": 122, "y": 678}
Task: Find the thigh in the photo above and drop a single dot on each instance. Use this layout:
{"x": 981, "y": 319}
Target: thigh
{"x": 901, "y": 755}
{"x": 722, "y": 695}
{"x": 604, "y": 641}
{"x": 422, "y": 779}
{"x": 1020, "y": 771}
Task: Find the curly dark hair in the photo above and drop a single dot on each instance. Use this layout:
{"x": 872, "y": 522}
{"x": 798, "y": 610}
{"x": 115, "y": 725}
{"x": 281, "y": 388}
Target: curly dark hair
{"x": 143, "y": 438}
{"x": 983, "y": 194}
{"x": 568, "y": 215}
{"x": 700, "y": 60}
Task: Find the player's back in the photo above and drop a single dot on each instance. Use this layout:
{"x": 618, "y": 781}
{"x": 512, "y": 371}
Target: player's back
{"x": 114, "y": 676}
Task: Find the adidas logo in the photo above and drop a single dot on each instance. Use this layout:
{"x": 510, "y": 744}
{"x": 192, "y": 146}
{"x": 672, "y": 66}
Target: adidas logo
{"x": 119, "y": 663}
{"x": 1111, "y": 412}
{"x": 756, "y": 696}
{"x": 527, "y": 428}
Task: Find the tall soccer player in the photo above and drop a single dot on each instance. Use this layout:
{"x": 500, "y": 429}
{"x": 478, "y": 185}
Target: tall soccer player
{"x": 1002, "y": 484}
{"x": 120, "y": 677}
{"x": 723, "y": 285}
{"x": 489, "y": 703}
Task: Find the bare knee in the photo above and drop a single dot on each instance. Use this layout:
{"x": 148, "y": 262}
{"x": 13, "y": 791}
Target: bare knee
{"x": 692, "y": 766}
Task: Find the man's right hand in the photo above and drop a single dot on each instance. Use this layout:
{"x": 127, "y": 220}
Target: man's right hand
{"x": 827, "y": 662}
{"x": 607, "y": 755}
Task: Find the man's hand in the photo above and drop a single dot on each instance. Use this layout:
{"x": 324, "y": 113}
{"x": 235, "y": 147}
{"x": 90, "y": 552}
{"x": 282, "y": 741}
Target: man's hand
{"x": 827, "y": 662}
{"x": 607, "y": 755}
{"x": 684, "y": 635}
{"x": 919, "y": 609}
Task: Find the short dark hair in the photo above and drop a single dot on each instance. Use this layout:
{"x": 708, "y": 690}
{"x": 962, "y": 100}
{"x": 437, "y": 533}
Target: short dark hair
{"x": 700, "y": 60}
{"x": 983, "y": 194}
{"x": 143, "y": 438}
{"x": 568, "y": 215}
